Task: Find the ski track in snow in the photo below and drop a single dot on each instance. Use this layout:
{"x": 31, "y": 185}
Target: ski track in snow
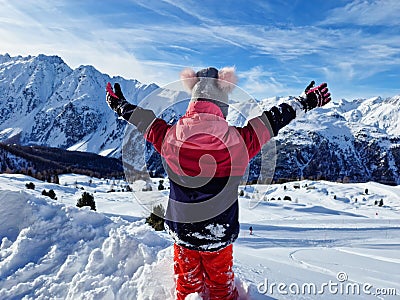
{"x": 54, "y": 250}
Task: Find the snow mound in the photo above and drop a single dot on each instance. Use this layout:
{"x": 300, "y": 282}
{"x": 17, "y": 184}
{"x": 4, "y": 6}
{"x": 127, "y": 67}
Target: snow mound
{"x": 55, "y": 251}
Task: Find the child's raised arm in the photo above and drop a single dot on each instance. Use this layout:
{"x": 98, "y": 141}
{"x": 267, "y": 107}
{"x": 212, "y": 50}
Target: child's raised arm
{"x": 140, "y": 117}
{"x": 281, "y": 115}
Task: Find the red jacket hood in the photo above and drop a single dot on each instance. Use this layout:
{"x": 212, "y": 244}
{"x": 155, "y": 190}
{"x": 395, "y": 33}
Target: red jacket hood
{"x": 206, "y": 107}
{"x": 204, "y": 125}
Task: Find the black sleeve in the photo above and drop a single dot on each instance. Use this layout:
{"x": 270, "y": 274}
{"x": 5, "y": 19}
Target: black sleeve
{"x": 278, "y": 117}
{"x": 135, "y": 115}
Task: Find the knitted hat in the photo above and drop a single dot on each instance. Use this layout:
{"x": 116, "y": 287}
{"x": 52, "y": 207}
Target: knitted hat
{"x": 210, "y": 85}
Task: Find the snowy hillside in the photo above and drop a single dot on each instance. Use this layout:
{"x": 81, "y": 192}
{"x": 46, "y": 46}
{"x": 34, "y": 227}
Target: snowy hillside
{"x": 328, "y": 235}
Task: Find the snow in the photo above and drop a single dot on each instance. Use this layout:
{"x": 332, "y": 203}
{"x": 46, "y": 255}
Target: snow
{"x": 320, "y": 240}
{"x": 53, "y": 250}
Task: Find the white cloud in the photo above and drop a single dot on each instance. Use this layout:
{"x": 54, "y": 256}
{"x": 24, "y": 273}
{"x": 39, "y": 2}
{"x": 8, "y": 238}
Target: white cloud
{"x": 370, "y": 13}
{"x": 187, "y": 35}
{"x": 192, "y": 9}
{"x": 261, "y": 83}
{"x": 27, "y": 29}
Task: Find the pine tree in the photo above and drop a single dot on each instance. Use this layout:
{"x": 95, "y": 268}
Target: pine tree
{"x": 160, "y": 185}
{"x": 86, "y": 200}
{"x": 30, "y": 186}
{"x": 156, "y": 219}
{"x": 52, "y": 194}
{"x": 56, "y": 179}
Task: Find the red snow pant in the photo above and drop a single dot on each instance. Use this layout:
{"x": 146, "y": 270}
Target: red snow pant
{"x": 208, "y": 273}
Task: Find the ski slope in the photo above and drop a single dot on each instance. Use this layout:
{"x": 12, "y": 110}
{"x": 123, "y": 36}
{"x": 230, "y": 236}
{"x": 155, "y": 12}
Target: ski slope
{"x": 322, "y": 244}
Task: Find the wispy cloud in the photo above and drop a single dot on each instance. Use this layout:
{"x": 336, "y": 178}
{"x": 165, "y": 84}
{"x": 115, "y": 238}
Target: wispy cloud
{"x": 370, "y": 13}
{"x": 31, "y": 28}
{"x": 194, "y": 9}
{"x": 272, "y": 59}
{"x": 261, "y": 83}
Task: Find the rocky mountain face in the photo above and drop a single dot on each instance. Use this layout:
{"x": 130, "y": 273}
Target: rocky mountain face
{"x": 350, "y": 141}
{"x": 45, "y": 102}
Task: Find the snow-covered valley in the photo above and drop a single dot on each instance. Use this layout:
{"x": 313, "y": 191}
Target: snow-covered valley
{"x": 330, "y": 241}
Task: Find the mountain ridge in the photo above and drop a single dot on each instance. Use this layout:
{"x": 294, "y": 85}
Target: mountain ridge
{"x": 47, "y": 103}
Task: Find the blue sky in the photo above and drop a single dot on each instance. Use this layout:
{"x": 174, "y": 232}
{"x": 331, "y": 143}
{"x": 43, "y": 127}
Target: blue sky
{"x": 276, "y": 46}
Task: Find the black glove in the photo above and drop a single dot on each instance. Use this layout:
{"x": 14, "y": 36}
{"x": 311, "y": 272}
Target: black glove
{"x": 114, "y": 99}
{"x": 314, "y": 96}
{"x": 141, "y": 118}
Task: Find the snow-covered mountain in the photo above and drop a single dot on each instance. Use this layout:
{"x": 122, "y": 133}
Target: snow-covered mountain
{"x": 45, "y": 102}
{"x": 353, "y": 141}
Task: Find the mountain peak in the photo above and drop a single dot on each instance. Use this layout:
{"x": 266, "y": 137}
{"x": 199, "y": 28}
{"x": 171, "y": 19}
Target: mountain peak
{"x": 45, "y": 102}
{"x": 54, "y": 59}
{"x": 4, "y": 58}
{"x": 394, "y": 100}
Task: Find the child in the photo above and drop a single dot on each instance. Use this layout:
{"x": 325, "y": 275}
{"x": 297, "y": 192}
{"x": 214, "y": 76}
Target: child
{"x": 205, "y": 161}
